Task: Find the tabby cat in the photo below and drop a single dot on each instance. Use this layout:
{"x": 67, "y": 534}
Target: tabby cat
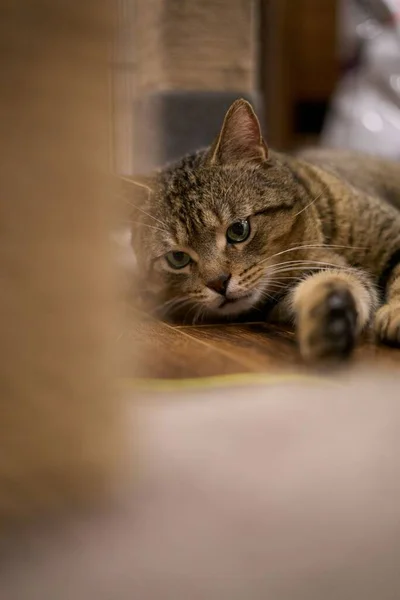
{"x": 312, "y": 239}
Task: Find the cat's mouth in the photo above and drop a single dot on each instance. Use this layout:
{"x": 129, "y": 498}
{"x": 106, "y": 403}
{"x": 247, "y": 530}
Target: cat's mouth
{"x": 231, "y": 301}
{"x": 237, "y": 305}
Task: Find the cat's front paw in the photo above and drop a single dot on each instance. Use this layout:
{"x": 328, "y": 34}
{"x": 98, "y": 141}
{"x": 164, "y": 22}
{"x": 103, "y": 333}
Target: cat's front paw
{"x": 327, "y": 329}
{"x": 387, "y": 324}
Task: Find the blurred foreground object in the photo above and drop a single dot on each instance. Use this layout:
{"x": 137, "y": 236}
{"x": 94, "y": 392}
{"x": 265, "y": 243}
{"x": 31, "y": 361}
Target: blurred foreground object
{"x": 288, "y": 493}
{"x": 365, "y": 112}
{"x": 59, "y": 417}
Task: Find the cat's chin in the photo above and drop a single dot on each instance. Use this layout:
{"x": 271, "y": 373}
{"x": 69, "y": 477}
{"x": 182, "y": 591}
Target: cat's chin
{"x": 234, "y": 308}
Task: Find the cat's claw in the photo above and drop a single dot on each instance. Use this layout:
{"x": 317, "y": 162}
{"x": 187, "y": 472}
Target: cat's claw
{"x": 387, "y": 324}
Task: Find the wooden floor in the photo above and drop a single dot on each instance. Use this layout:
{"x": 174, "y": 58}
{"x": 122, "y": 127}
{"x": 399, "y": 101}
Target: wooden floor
{"x": 159, "y": 350}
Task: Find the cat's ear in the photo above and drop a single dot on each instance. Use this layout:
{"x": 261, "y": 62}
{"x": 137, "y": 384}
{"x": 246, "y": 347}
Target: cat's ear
{"x": 240, "y": 138}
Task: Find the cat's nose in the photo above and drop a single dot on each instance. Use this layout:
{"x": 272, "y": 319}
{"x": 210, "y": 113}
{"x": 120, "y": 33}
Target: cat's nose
{"x": 219, "y": 284}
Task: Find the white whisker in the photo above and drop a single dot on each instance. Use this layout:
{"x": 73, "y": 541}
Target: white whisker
{"x": 232, "y": 184}
{"x": 147, "y": 225}
{"x": 308, "y": 247}
{"x": 305, "y": 263}
{"x": 312, "y": 202}
{"x": 137, "y": 183}
{"x": 318, "y": 244}
{"x": 313, "y": 268}
{"x": 147, "y": 214}
{"x": 172, "y": 304}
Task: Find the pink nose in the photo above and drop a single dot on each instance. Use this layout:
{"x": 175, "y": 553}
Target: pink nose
{"x": 219, "y": 284}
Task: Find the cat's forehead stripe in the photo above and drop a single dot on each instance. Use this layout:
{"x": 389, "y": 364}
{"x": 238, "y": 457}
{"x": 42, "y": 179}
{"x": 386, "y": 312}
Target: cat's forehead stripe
{"x": 196, "y": 234}
{"x": 198, "y": 203}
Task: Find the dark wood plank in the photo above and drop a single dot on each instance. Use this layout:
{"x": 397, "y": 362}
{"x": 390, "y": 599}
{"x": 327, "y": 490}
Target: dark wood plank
{"x": 154, "y": 349}
{"x": 371, "y": 355}
{"x": 258, "y": 347}
{"x": 160, "y": 350}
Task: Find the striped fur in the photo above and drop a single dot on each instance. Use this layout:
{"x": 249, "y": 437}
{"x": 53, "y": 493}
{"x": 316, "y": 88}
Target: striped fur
{"x": 324, "y": 247}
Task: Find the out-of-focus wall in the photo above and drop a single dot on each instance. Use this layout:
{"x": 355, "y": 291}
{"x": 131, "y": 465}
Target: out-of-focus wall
{"x": 180, "y": 64}
{"x": 299, "y": 67}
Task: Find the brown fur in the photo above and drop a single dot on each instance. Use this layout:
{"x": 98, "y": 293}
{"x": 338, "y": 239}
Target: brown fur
{"x": 323, "y": 247}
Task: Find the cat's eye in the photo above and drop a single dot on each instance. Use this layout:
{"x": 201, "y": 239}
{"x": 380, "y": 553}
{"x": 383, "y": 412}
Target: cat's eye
{"x": 177, "y": 260}
{"x": 238, "y": 232}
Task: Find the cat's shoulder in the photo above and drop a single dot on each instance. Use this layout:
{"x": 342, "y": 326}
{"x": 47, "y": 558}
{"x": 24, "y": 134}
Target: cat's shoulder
{"x": 346, "y": 159}
{"x": 372, "y": 175}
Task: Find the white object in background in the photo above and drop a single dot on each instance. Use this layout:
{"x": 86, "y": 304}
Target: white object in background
{"x": 365, "y": 110}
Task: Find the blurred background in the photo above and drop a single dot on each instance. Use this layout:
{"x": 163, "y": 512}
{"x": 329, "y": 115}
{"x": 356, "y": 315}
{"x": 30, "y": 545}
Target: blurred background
{"x": 319, "y": 72}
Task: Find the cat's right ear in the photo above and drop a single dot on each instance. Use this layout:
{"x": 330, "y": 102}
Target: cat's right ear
{"x": 240, "y": 139}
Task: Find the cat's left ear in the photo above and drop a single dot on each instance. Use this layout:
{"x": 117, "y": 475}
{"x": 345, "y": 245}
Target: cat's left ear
{"x": 240, "y": 138}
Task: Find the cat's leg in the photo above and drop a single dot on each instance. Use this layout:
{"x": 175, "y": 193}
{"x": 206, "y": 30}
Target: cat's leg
{"x": 330, "y": 309}
{"x": 387, "y": 319}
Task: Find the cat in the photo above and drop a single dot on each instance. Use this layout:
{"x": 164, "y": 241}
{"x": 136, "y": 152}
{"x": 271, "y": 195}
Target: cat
{"x": 311, "y": 239}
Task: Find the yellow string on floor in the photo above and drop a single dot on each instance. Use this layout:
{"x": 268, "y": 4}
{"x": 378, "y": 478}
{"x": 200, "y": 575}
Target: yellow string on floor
{"x": 221, "y": 381}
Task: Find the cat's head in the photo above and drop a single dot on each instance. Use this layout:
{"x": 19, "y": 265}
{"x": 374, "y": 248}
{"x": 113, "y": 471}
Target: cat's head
{"x": 205, "y": 230}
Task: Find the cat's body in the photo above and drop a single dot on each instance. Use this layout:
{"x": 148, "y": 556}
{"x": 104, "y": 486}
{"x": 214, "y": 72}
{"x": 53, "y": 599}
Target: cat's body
{"x": 368, "y": 174}
{"x": 235, "y": 228}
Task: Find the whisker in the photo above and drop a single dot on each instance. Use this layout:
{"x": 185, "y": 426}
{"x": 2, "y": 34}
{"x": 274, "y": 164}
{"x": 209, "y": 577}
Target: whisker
{"x": 232, "y": 184}
{"x": 146, "y": 225}
{"x": 137, "y": 183}
{"x": 171, "y": 304}
{"x": 146, "y": 213}
{"x": 195, "y": 307}
{"x": 279, "y": 284}
{"x": 196, "y": 315}
{"x": 265, "y": 294}
{"x": 318, "y": 244}
{"x": 189, "y": 306}
{"x": 307, "y": 262}
{"x": 274, "y": 285}
{"x": 284, "y": 277}
{"x": 312, "y": 202}
{"x": 199, "y": 314}
{"x": 310, "y": 246}
{"x": 265, "y": 277}
{"x": 290, "y": 267}
{"x": 313, "y": 268}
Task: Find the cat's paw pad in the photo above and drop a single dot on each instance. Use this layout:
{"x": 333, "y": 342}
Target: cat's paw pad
{"x": 387, "y": 324}
{"x": 328, "y": 331}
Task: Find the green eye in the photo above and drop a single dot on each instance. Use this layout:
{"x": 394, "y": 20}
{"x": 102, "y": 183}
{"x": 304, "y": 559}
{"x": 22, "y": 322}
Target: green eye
{"x": 238, "y": 232}
{"x": 177, "y": 260}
